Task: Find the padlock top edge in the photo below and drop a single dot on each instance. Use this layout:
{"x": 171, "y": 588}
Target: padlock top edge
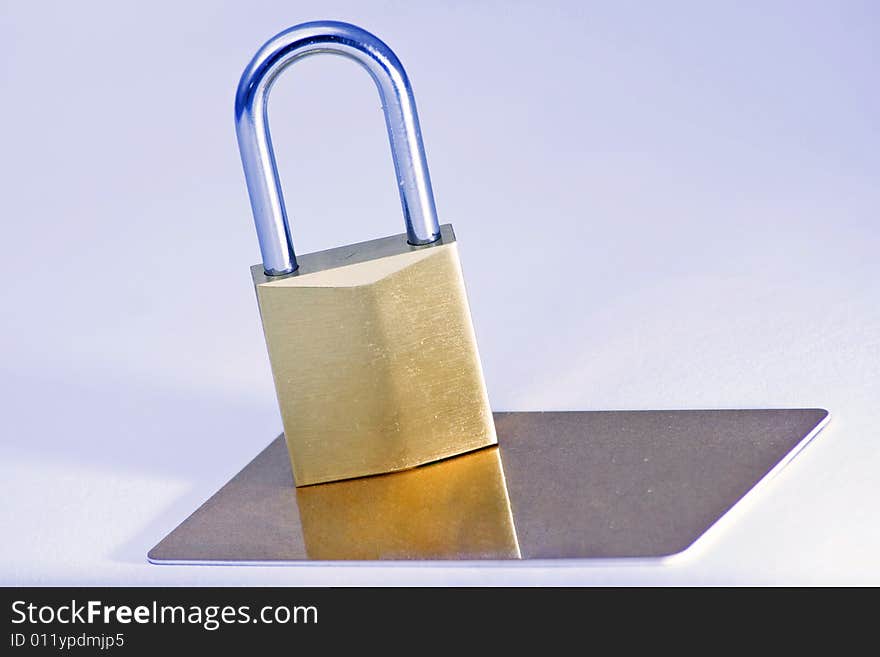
{"x": 351, "y": 254}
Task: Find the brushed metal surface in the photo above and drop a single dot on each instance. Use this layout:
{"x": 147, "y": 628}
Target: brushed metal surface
{"x": 581, "y": 485}
{"x": 375, "y": 359}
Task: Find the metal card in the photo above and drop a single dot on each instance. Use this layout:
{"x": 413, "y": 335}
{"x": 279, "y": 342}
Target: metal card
{"x": 560, "y": 486}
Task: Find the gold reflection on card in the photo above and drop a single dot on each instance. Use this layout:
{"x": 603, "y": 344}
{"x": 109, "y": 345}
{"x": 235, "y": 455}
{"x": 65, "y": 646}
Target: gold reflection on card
{"x": 454, "y": 509}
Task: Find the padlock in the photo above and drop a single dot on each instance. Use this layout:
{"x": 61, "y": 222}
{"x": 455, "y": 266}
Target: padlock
{"x": 371, "y": 345}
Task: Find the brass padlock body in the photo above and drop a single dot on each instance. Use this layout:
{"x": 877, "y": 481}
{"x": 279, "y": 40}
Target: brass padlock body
{"x": 374, "y": 358}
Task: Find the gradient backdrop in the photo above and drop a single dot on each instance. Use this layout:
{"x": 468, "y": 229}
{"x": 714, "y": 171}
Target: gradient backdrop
{"x": 659, "y": 205}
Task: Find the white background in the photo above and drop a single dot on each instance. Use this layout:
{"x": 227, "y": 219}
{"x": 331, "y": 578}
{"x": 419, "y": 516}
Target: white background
{"x": 659, "y": 205}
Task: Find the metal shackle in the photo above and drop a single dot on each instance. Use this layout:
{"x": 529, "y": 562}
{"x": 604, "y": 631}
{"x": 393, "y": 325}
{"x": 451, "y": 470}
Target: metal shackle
{"x": 255, "y": 144}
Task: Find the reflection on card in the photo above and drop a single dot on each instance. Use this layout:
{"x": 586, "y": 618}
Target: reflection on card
{"x": 457, "y": 508}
